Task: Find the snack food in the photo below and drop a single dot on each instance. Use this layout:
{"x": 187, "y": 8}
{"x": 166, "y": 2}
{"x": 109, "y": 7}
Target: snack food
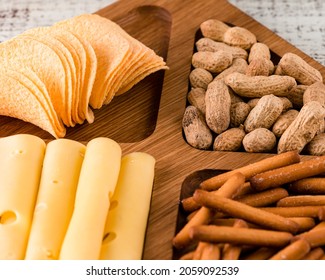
{"x": 277, "y": 222}
{"x": 68, "y": 68}
{"x": 92, "y": 203}
{"x": 56, "y": 197}
{"x": 57, "y": 187}
{"x": 262, "y": 88}
{"x": 129, "y": 209}
{"x": 21, "y": 158}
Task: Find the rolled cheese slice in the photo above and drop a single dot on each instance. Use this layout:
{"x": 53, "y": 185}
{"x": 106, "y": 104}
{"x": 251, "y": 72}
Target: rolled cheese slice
{"x": 97, "y": 182}
{"x": 21, "y": 158}
{"x": 127, "y": 218}
{"x": 55, "y": 200}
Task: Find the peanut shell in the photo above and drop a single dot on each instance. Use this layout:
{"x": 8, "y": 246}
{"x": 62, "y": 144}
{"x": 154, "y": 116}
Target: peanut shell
{"x": 197, "y": 133}
{"x": 265, "y": 113}
{"x": 229, "y": 140}
{"x": 218, "y": 102}
{"x": 303, "y": 129}
{"x": 259, "y": 140}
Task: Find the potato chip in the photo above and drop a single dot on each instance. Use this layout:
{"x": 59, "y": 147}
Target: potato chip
{"x": 81, "y": 94}
{"x": 17, "y": 101}
{"x": 89, "y": 68}
{"x": 69, "y": 69}
{"x": 35, "y": 86}
{"x": 23, "y": 52}
{"x": 110, "y": 48}
{"x": 71, "y": 66}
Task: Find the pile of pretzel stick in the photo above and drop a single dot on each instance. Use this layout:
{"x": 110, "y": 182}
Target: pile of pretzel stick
{"x": 273, "y": 209}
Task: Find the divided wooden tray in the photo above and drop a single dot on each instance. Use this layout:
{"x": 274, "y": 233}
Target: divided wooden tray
{"x": 148, "y": 118}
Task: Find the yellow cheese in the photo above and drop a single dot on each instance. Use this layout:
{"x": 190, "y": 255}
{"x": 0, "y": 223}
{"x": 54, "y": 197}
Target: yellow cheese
{"x": 97, "y": 182}
{"x": 55, "y": 200}
{"x": 127, "y": 218}
{"x": 21, "y": 158}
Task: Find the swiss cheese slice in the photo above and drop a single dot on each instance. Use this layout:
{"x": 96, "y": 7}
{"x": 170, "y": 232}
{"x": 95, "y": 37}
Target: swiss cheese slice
{"x": 55, "y": 200}
{"x": 127, "y": 218}
{"x": 21, "y": 158}
{"x": 97, "y": 182}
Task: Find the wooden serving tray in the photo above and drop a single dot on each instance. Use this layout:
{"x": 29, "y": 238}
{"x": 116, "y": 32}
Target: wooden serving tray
{"x": 149, "y": 117}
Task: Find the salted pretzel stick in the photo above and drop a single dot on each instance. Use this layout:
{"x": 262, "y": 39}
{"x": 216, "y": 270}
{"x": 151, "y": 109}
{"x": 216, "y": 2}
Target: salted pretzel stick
{"x": 264, "y": 198}
{"x": 262, "y": 253}
{"x": 232, "y": 251}
{"x": 242, "y": 211}
{"x": 299, "y": 211}
{"x": 240, "y": 236}
{"x": 305, "y": 223}
{"x": 190, "y": 205}
{"x": 204, "y": 215}
{"x": 245, "y": 189}
{"x": 315, "y": 236}
{"x": 301, "y": 200}
{"x": 314, "y": 254}
{"x": 211, "y": 252}
{"x": 252, "y": 169}
{"x": 207, "y": 251}
{"x": 294, "y": 251}
{"x": 198, "y": 250}
{"x": 287, "y": 174}
{"x": 308, "y": 186}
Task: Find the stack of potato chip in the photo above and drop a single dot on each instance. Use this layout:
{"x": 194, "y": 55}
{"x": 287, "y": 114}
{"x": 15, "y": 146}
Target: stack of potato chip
{"x": 51, "y": 76}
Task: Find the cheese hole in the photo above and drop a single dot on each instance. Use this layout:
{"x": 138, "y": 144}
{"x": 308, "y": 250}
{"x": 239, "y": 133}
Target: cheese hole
{"x": 18, "y": 152}
{"x": 8, "y": 217}
{"x": 113, "y": 205}
{"x": 40, "y": 207}
{"x": 55, "y": 181}
{"x": 109, "y": 237}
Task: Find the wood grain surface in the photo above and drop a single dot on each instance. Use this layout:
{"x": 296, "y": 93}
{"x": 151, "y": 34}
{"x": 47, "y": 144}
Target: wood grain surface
{"x": 154, "y": 108}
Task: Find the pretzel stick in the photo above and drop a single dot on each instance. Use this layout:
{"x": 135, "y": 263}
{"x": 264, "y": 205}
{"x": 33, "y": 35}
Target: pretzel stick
{"x": 231, "y": 251}
{"x": 287, "y": 174}
{"x": 293, "y": 251}
{"x": 302, "y": 200}
{"x": 263, "y": 198}
{"x": 198, "y": 250}
{"x": 240, "y": 236}
{"x": 207, "y": 251}
{"x": 204, "y": 215}
{"x": 315, "y": 236}
{"x": 308, "y": 186}
{"x": 314, "y": 254}
{"x": 252, "y": 169}
{"x": 305, "y": 223}
{"x": 262, "y": 253}
{"x": 242, "y": 211}
{"x": 190, "y": 205}
{"x": 299, "y": 211}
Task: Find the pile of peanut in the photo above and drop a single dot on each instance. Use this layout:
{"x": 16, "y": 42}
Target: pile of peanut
{"x": 239, "y": 100}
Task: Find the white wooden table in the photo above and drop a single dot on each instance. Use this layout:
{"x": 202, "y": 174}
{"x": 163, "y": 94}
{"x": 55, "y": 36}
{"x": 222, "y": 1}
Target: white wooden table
{"x": 300, "y": 22}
